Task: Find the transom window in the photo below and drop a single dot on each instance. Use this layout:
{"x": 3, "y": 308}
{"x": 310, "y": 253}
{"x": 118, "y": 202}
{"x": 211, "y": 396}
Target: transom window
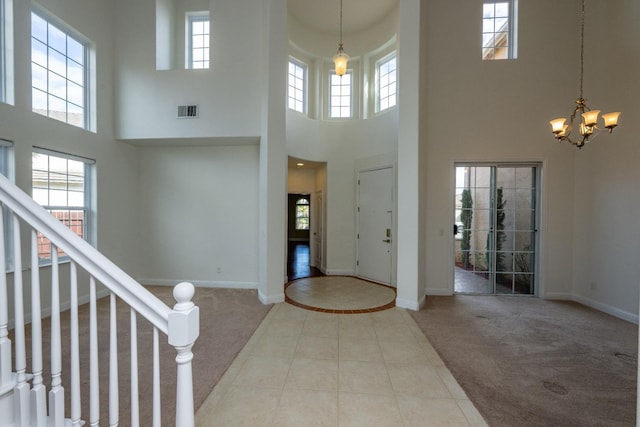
{"x": 386, "y": 83}
{"x": 198, "y": 48}
{"x": 499, "y": 30}
{"x": 297, "y": 83}
{"x": 61, "y": 184}
{"x": 340, "y": 94}
{"x": 302, "y": 214}
{"x": 59, "y": 72}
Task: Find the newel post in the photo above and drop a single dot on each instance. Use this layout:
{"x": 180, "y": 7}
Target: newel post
{"x": 184, "y": 328}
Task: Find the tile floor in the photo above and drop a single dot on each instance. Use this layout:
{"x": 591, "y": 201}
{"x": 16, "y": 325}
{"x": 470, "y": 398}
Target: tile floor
{"x": 340, "y": 294}
{"x": 305, "y": 368}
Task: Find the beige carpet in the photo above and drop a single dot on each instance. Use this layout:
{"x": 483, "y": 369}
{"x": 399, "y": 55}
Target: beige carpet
{"x": 228, "y": 318}
{"x": 530, "y": 362}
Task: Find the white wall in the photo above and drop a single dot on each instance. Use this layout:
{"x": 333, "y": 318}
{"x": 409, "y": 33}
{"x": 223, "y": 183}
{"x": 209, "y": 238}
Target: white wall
{"x": 229, "y": 93}
{"x": 499, "y": 111}
{"x": 301, "y": 181}
{"x": 606, "y": 234}
{"x": 116, "y": 163}
{"x": 340, "y": 144}
{"x": 198, "y": 215}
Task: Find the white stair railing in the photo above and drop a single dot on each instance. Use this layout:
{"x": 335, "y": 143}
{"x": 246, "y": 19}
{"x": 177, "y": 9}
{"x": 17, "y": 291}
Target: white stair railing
{"x": 23, "y": 394}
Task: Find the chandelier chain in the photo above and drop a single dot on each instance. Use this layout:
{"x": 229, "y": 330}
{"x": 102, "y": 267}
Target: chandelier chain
{"x": 341, "y": 21}
{"x": 581, "y": 49}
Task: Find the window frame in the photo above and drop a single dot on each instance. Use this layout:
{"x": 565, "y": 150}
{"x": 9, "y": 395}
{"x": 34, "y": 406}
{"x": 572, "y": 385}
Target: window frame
{"x": 512, "y": 32}
{"x": 7, "y": 161}
{"x": 303, "y": 201}
{"x": 88, "y": 206}
{"x": 191, "y": 18}
{"x": 305, "y": 84}
{"x": 378, "y": 64}
{"x": 330, "y": 86}
{"x": 87, "y": 83}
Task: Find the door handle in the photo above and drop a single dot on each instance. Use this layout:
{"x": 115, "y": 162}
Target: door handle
{"x": 387, "y": 240}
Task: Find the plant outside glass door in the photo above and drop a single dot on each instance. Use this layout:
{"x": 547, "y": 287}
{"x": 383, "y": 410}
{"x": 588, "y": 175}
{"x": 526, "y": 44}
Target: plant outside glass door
{"x": 495, "y": 229}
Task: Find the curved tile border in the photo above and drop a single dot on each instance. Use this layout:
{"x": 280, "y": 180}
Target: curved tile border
{"x": 338, "y": 311}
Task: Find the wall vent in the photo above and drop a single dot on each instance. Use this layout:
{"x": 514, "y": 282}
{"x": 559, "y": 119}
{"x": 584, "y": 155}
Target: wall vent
{"x": 187, "y": 111}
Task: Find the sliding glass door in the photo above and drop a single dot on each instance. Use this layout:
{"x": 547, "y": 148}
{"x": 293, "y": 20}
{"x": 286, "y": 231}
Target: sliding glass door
{"x": 495, "y": 228}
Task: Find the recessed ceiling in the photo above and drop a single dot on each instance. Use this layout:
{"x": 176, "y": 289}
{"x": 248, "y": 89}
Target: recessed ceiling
{"x": 324, "y": 15}
{"x": 306, "y": 164}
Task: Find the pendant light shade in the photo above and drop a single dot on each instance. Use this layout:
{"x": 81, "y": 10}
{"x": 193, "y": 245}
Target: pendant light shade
{"x": 340, "y": 59}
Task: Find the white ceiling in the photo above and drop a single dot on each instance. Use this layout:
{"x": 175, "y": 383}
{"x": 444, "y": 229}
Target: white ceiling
{"x": 324, "y": 15}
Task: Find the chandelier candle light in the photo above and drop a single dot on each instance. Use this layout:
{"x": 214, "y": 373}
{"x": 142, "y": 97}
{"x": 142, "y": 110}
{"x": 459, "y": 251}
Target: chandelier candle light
{"x": 588, "y": 124}
{"x": 340, "y": 59}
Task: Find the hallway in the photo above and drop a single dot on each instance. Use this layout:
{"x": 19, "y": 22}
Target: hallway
{"x": 298, "y": 258}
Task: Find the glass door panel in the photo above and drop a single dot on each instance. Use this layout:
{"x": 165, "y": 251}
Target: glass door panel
{"x": 495, "y": 226}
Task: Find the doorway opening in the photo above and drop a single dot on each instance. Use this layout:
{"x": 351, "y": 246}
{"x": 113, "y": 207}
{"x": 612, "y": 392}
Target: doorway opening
{"x": 305, "y": 218}
{"x": 298, "y": 258}
{"x": 495, "y": 228}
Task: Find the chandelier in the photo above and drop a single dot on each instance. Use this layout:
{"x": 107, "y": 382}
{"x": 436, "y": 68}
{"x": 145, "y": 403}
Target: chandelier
{"x": 340, "y": 59}
{"x": 588, "y": 118}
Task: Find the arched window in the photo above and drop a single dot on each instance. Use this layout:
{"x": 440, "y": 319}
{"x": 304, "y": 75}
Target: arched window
{"x": 302, "y": 214}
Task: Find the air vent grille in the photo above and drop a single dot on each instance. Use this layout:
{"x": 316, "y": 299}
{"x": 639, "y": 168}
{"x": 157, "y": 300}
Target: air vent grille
{"x": 187, "y": 111}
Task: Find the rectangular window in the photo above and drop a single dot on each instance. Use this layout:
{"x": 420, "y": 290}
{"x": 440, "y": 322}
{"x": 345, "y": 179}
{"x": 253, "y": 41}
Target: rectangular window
{"x": 386, "y": 83}
{"x": 340, "y": 94}
{"x": 297, "y": 84}
{"x": 198, "y": 40}
{"x": 61, "y": 183}
{"x": 499, "y": 30}
{"x": 59, "y": 72}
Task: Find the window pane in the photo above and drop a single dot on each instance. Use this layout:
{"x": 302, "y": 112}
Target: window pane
{"x": 57, "y": 39}
{"x": 38, "y": 28}
{"x": 38, "y": 52}
{"x": 497, "y": 40}
{"x": 59, "y": 185}
{"x": 58, "y": 73}
{"x": 75, "y": 51}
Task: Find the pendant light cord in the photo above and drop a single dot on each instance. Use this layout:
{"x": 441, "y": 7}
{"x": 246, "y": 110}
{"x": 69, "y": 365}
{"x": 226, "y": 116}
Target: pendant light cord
{"x": 341, "y": 20}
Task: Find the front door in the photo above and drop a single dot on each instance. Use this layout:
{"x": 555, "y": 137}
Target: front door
{"x": 375, "y": 220}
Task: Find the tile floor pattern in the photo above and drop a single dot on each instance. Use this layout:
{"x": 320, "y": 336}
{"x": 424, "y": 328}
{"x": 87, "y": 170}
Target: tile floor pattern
{"x": 304, "y": 368}
{"x": 339, "y": 294}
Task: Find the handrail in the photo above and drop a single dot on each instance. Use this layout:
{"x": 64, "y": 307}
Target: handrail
{"x": 94, "y": 262}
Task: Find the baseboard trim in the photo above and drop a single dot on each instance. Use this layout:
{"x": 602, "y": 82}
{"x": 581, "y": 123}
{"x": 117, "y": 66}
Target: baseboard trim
{"x": 439, "y": 292}
{"x": 200, "y": 283}
{"x": 605, "y": 308}
{"x": 410, "y": 304}
{"x": 331, "y": 272}
{"x": 271, "y": 299}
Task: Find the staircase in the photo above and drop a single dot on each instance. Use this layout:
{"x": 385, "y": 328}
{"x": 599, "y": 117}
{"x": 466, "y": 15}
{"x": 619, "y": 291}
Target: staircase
{"x": 25, "y": 399}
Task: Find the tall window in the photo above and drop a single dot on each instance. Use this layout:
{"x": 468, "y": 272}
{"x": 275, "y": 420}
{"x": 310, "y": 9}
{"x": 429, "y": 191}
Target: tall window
{"x": 499, "y": 30}
{"x": 302, "y": 214}
{"x": 297, "y": 83}
{"x": 61, "y": 184}
{"x": 6, "y": 163}
{"x": 198, "y": 47}
{"x": 386, "y": 83}
{"x": 340, "y": 93}
{"x": 59, "y": 72}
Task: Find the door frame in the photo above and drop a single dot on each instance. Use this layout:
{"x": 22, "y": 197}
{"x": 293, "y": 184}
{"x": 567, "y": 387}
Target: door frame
{"x": 540, "y": 204}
